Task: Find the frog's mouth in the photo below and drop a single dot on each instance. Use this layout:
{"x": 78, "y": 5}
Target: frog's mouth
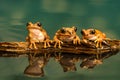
{"x": 34, "y": 28}
{"x": 66, "y": 35}
{"x": 92, "y": 38}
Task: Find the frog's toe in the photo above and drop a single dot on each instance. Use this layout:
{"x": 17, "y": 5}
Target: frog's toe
{"x": 76, "y": 41}
{"x": 32, "y": 46}
{"x": 58, "y": 43}
{"x": 59, "y": 46}
{"x": 98, "y": 44}
{"x": 47, "y": 43}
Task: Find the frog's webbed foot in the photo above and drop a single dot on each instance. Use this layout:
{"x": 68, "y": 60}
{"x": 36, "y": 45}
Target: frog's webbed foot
{"x": 58, "y": 42}
{"x": 76, "y": 40}
{"x": 47, "y": 43}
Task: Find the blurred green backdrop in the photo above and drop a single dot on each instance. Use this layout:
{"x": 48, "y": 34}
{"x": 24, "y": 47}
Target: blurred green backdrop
{"x": 54, "y": 14}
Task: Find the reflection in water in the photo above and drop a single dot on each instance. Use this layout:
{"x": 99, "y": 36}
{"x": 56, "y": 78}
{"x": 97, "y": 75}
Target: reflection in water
{"x": 36, "y": 65}
{"x": 66, "y": 60}
{"x": 90, "y": 64}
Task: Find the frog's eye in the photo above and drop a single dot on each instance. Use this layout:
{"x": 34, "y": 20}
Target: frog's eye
{"x": 39, "y": 24}
{"x": 75, "y": 28}
{"x": 92, "y": 31}
{"x": 27, "y": 24}
{"x": 82, "y": 32}
{"x": 62, "y": 30}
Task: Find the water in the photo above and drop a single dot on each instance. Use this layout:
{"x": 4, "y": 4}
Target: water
{"x": 53, "y": 14}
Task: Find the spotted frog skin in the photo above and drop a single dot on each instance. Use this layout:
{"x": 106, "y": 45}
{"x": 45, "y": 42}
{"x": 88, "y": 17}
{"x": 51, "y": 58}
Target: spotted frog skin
{"x": 66, "y": 34}
{"x": 93, "y": 35}
{"x": 36, "y": 34}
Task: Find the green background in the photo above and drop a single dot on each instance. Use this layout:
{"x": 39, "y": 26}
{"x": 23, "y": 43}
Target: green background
{"x": 54, "y": 14}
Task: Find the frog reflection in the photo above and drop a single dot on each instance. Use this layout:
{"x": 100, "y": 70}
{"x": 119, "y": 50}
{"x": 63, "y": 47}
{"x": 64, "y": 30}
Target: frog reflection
{"x": 67, "y": 62}
{"x": 66, "y": 34}
{"x": 37, "y": 34}
{"x": 90, "y": 63}
{"x": 36, "y": 65}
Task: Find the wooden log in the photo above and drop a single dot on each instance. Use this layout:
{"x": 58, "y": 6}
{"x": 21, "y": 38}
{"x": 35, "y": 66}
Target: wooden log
{"x": 15, "y": 49}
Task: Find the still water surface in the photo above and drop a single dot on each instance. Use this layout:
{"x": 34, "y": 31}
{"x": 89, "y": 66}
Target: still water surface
{"x": 53, "y": 14}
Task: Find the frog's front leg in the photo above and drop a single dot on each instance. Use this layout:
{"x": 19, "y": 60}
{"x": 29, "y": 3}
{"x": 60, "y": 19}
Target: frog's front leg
{"x": 47, "y": 43}
{"x": 98, "y": 43}
{"x": 76, "y": 40}
{"x": 57, "y": 42}
{"x": 32, "y": 45}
